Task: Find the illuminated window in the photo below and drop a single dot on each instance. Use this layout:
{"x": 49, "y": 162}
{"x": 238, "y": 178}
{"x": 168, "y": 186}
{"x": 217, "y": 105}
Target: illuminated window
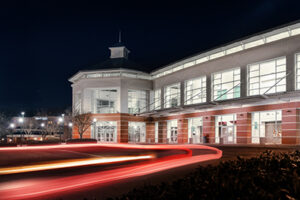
{"x": 156, "y": 132}
{"x": 155, "y": 103}
{"x": 278, "y": 36}
{"x": 172, "y": 131}
{"x": 137, "y": 100}
{"x": 267, "y": 77}
{"x": 172, "y": 96}
{"x": 295, "y": 31}
{"x": 136, "y": 132}
{"x": 77, "y": 103}
{"x": 195, "y": 133}
{"x": 202, "y": 60}
{"x": 104, "y": 100}
{"x": 225, "y": 129}
{"x": 298, "y": 71}
{"x": 226, "y": 84}
{"x": 254, "y": 44}
{"x": 217, "y": 55}
{"x": 195, "y": 91}
{"x": 266, "y": 127}
{"x": 106, "y": 131}
{"x": 234, "y": 49}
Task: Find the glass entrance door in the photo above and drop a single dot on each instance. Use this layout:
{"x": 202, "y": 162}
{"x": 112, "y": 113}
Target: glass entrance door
{"x": 273, "y": 132}
{"x": 136, "y": 132}
{"x": 106, "y": 131}
{"x": 228, "y": 134}
{"x": 172, "y": 131}
{"x": 173, "y": 136}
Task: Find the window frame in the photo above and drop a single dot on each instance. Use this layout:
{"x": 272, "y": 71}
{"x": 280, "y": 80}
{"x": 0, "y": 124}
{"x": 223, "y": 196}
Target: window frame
{"x": 203, "y": 88}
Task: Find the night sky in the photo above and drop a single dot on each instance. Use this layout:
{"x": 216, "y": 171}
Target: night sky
{"x": 43, "y": 43}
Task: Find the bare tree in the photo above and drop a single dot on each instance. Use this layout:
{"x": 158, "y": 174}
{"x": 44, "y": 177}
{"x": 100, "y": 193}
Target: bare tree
{"x": 82, "y": 122}
{"x": 3, "y": 124}
{"x": 30, "y": 125}
{"x": 50, "y": 128}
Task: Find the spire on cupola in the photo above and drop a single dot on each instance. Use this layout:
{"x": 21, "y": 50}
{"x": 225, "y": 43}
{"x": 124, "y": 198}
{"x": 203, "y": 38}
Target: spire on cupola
{"x": 119, "y": 50}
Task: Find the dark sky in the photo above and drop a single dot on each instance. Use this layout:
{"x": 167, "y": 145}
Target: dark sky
{"x": 43, "y": 43}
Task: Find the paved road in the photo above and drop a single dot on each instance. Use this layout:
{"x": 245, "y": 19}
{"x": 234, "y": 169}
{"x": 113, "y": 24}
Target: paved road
{"x": 83, "y": 171}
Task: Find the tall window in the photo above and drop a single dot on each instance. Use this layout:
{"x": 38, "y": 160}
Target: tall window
{"x": 226, "y": 84}
{"x": 195, "y": 133}
{"x": 298, "y": 71}
{"x": 77, "y": 103}
{"x": 172, "y": 96}
{"x": 155, "y": 103}
{"x": 195, "y": 91}
{"x": 225, "y": 129}
{"x": 267, "y": 77}
{"x": 137, "y": 100}
{"x": 172, "y": 131}
{"x": 104, "y": 100}
{"x": 266, "y": 127}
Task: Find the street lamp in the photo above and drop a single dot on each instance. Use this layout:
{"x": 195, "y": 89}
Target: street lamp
{"x": 21, "y": 121}
{"x": 12, "y": 125}
{"x": 61, "y": 120}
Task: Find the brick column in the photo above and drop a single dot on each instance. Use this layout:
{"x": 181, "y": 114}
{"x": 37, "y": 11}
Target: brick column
{"x": 162, "y": 132}
{"x": 290, "y": 126}
{"x": 122, "y": 132}
{"x": 243, "y": 128}
{"x": 150, "y": 132}
{"x": 209, "y": 128}
{"x": 182, "y": 135}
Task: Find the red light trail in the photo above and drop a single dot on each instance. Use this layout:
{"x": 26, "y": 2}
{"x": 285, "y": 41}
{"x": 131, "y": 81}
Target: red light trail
{"x": 39, "y": 188}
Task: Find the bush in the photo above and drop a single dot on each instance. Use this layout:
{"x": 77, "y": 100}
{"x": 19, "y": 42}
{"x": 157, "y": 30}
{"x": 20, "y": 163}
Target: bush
{"x": 269, "y": 176}
{"x": 75, "y": 141}
{"x": 44, "y": 142}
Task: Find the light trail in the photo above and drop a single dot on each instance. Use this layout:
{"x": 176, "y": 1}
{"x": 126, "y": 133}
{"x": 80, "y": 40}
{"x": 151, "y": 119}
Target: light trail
{"x": 72, "y": 163}
{"x": 37, "y": 189}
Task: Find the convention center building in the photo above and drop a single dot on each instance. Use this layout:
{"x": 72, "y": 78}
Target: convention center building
{"x": 245, "y": 92}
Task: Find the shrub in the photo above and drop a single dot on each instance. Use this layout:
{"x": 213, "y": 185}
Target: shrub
{"x": 268, "y": 176}
{"x": 87, "y": 140}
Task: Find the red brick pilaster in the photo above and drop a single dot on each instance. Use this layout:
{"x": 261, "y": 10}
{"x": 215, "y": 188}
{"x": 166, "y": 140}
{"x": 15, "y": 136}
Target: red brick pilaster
{"x": 162, "y": 131}
{"x": 182, "y": 135}
{"x": 243, "y": 128}
{"x": 290, "y": 126}
{"x": 150, "y": 132}
{"x": 122, "y": 132}
{"x": 209, "y": 128}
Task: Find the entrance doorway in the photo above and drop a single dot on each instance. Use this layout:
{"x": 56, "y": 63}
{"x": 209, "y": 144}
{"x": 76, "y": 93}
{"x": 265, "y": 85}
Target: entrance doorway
{"x": 136, "y": 132}
{"x": 106, "y": 131}
{"x": 172, "y": 132}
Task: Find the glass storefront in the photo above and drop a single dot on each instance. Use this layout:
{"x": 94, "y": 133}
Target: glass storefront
{"x": 136, "y": 132}
{"x": 266, "y": 127}
{"x": 172, "y": 131}
{"x": 195, "y": 133}
{"x": 105, "y": 131}
{"x": 225, "y": 129}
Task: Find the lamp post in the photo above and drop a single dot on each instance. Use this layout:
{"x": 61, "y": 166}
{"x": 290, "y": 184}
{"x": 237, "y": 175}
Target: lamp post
{"x": 61, "y": 121}
{"x": 94, "y": 127}
{"x": 21, "y": 121}
{"x": 11, "y": 126}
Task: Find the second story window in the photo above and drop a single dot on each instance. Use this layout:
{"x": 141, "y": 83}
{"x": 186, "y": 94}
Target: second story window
{"x": 195, "y": 91}
{"x": 172, "y": 96}
{"x": 137, "y": 100}
{"x": 105, "y": 100}
{"x": 298, "y": 71}
{"x": 226, "y": 84}
{"x": 267, "y": 77}
{"x": 155, "y": 103}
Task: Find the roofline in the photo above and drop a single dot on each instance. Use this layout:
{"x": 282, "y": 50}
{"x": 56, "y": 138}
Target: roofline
{"x": 155, "y": 71}
{"x": 71, "y": 79}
